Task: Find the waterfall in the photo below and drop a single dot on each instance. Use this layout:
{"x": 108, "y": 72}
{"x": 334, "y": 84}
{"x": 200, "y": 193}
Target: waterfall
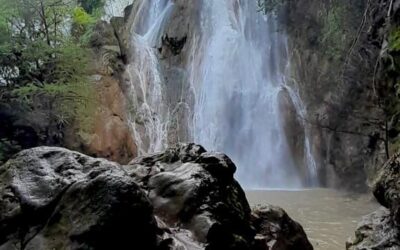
{"x": 237, "y": 71}
{"x": 244, "y": 61}
{"x": 309, "y": 161}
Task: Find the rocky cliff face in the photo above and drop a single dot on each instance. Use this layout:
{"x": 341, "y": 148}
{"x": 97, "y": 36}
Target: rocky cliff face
{"x": 183, "y": 198}
{"x": 335, "y": 48}
{"x": 107, "y": 133}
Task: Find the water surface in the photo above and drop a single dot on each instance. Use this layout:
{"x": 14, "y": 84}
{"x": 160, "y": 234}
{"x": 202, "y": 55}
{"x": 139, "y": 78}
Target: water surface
{"x": 329, "y": 217}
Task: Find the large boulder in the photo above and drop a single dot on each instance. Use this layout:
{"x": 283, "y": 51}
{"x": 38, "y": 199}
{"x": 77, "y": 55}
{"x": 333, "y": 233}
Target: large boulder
{"x": 386, "y": 187}
{"x": 276, "y": 230}
{"x": 380, "y": 230}
{"x": 183, "y": 198}
{"x": 376, "y": 231}
{"x": 52, "y": 198}
{"x": 196, "y": 190}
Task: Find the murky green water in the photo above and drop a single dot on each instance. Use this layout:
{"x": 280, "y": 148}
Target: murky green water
{"x": 329, "y": 217}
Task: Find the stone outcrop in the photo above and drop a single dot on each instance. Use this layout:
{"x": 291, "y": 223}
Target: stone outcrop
{"x": 184, "y": 198}
{"x": 380, "y": 230}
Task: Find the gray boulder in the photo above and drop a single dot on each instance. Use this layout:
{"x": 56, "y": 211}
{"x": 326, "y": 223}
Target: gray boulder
{"x": 183, "y": 198}
{"x": 52, "y": 198}
{"x": 196, "y": 190}
{"x": 380, "y": 230}
{"x": 376, "y": 232}
{"x": 276, "y": 230}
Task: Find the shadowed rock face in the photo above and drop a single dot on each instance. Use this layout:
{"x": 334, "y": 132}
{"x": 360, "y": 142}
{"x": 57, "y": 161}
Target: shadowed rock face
{"x": 184, "y": 198}
{"x": 52, "y": 198}
{"x": 380, "y": 230}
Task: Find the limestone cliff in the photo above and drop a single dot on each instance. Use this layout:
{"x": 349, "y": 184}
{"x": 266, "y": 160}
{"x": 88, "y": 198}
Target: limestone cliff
{"x": 107, "y": 133}
{"x": 337, "y": 50}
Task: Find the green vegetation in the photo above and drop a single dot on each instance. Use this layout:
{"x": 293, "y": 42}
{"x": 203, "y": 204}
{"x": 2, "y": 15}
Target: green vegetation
{"x": 394, "y": 40}
{"x": 333, "y": 37}
{"x": 43, "y": 70}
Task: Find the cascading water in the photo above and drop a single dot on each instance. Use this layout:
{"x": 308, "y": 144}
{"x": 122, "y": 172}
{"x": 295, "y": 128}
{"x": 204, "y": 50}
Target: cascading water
{"x": 150, "y": 116}
{"x": 237, "y": 72}
{"x": 237, "y": 110}
{"x": 309, "y": 161}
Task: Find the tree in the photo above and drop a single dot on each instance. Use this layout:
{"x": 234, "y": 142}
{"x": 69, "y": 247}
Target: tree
{"x": 43, "y": 69}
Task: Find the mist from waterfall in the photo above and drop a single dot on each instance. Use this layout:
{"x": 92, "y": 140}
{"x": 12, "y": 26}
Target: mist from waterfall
{"x": 237, "y": 73}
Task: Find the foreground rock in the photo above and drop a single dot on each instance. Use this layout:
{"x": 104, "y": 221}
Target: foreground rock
{"x": 376, "y": 231}
{"x": 380, "y": 230}
{"x": 386, "y": 187}
{"x": 276, "y": 230}
{"x": 184, "y": 198}
{"x": 52, "y": 198}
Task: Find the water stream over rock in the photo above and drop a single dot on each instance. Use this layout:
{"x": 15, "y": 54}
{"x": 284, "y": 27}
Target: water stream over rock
{"x": 149, "y": 117}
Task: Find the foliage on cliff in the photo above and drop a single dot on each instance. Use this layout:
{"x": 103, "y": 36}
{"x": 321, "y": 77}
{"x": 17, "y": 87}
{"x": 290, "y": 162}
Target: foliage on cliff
{"x": 43, "y": 71}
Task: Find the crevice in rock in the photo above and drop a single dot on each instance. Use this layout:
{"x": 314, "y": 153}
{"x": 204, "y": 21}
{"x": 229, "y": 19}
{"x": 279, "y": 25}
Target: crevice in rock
{"x": 174, "y": 44}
